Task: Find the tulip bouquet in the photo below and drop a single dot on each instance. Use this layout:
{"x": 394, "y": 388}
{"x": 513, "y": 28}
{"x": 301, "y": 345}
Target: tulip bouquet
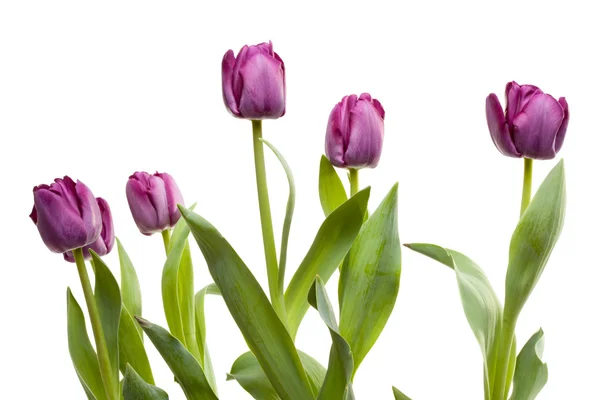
{"x": 363, "y": 246}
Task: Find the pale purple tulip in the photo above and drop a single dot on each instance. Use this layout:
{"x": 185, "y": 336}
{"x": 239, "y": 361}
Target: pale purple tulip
{"x": 153, "y": 201}
{"x": 354, "y": 136}
{"x": 254, "y": 82}
{"x": 534, "y": 123}
{"x": 66, "y": 214}
{"x": 105, "y": 242}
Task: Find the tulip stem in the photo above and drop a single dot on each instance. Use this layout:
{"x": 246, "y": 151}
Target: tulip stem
{"x": 353, "y": 173}
{"x": 166, "y": 235}
{"x": 266, "y": 222}
{"x": 106, "y": 373}
{"x": 527, "y": 177}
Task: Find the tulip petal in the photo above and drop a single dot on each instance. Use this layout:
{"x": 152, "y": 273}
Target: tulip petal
{"x": 366, "y": 136}
{"x": 89, "y": 211}
{"x": 517, "y": 97}
{"x": 498, "y": 127}
{"x": 147, "y": 200}
{"x": 263, "y": 94}
{"x": 562, "y": 131}
{"x": 227, "y": 81}
{"x": 334, "y": 142}
{"x": 107, "y": 237}
{"x": 174, "y": 197}
{"x": 536, "y": 127}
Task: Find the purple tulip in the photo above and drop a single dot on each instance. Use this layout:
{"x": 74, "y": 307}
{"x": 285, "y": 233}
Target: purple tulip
{"x": 534, "y": 123}
{"x": 153, "y": 201}
{"x": 66, "y": 214}
{"x": 105, "y": 242}
{"x": 254, "y": 82}
{"x": 354, "y": 135}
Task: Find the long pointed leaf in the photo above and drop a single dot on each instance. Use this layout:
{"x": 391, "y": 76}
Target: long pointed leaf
{"x": 135, "y": 388}
{"x": 205, "y": 360}
{"x": 131, "y": 347}
{"x": 531, "y": 373}
{"x": 331, "y": 188}
{"x": 398, "y": 395}
{"x": 131, "y": 294}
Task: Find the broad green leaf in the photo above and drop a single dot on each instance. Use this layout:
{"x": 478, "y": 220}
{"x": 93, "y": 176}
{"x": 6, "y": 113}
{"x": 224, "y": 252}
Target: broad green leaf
{"x": 338, "y": 379}
{"x": 533, "y": 240}
{"x": 108, "y": 299}
{"x": 531, "y": 374}
{"x": 398, "y": 395}
{"x": 135, "y": 388}
{"x": 204, "y": 359}
{"x": 82, "y": 353}
{"x": 264, "y": 332}
{"x": 131, "y": 347}
{"x": 480, "y": 303}
{"x": 289, "y": 212}
{"x": 332, "y": 243}
{"x": 183, "y": 364}
{"x": 370, "y": 279}
{"x": 331, "y": 188}
{"x": 247, "y": 372}
{"x": 131, "y": 293}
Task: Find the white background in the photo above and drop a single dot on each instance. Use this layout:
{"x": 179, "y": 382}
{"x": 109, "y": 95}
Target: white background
{"x": 98, "y": 90}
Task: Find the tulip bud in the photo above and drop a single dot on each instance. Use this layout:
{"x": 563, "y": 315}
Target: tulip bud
{"x": 254, "y": 82}
{"x": 354, "y": 135}
{"x": 66, "y": 214}
{"x": 105, "y": 242}
{"x": 153, "y": 201}
{"x": 534, "y": 123}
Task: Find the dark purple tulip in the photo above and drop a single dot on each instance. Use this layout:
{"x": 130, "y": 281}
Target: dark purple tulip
{"x": 354, "y": 137}
{"x": 254, "y": 82}
{"x": 105, "y": 242}
{"x": 534, "y": 123}
{"x": 153, "y": 201}
{"x": 66, "y": 214}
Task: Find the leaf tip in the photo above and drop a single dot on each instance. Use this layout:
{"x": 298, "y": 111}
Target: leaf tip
{"x": 143, "y": 322}
{"x": 229, "y": 377}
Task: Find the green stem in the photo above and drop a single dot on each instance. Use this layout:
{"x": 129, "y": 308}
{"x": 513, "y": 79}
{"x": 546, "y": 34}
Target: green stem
{"x": 110, "y": 386}
{"x": 266, "y": 222}
{"x": 353, "y": 181}
{"x": 506, "y": 341}
{"x": 527, "y": 174}
{"x": 166, "y": 236}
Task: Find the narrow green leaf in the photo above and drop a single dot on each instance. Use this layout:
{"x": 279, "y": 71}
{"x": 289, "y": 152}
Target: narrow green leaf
{"x": 205, "y": 360}
{"x": 338, "y": 379}
{"x": 533, "y": 240}
{"x": 331, "y": 188}
{"x": 531, "y": 374}
{"x": 185, "y": 297}
{"x": 131, "y": 347}
{"x": 135, "y": 388}
{"x": 332, "y": 243}
{"x": 370, "y": 280}
{"x": 512, "y": 360}
{"x": 264, "y": 332}
{"x": 183, "y": 364}
{"x": 108, "y": 299}
{"x": 131, "y": 293}
{"x": 398, "y": 395}
{"x": 82, "y": 353}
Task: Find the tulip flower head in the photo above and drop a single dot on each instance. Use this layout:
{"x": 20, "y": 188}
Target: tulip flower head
{"x": 105, "y": 242}
{"x": 254, "y": 82}
{"x": 153, "y": 201}
{"x": 534, "y": 123}
{"x": 66, "y": 214}
{"x": 354, "y": 136}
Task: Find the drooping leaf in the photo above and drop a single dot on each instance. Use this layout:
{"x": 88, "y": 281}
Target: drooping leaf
{"x": 131, "y": 348}
{"x": 398, "y": 395}
{"x": 531, "y": 374}
{"x": 264, "y": 332}
{"x": 82, "y": 353}
{"x": 205, "y": 360}
{"x": 131, "y": 294}
{"x": 331, "y": 188}
{"x": 135, "y": 388}
{"x": 183, "y": 364}
{"x": 332, "y": 243}
{"x": 370, "y": 279}
{"x": 338, "y": 379}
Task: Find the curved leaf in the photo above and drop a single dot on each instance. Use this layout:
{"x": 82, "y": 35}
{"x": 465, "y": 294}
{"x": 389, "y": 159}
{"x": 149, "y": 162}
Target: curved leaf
{"x": 135, "y": 388}
{"x": 131, "y": 294}
{"x": 370, "y": 279}
{"x": 531, "y": 374}
{"x": 131, "y": 348}
{"x": 205, "y": 360}
{"x": 331, "y": 188}
{"x": 398, "y": 395}
{"x": 264, "y": 332}
{"x": 332, "y": 243}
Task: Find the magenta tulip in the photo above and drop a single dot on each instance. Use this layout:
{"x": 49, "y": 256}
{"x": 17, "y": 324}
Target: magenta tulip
{"x": 105, "y": 242}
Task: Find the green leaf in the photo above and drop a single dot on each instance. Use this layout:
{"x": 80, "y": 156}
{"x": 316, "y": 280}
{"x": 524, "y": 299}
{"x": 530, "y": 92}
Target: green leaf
{"x": 131, "y": 293}
{"x": 247, "y": 372}
{"x": 512, "y": 360}
{"x": 398, "y": 395}
{"x": 338, "y": 379}
{"x": 370, "y": 279}
{"x": 264, "y": 332}
{"x": 332, "y": 243}
{"x": 480, "y": 303}
{"x": 185, "y": 288}
{"x": 183, "y": 364}
{"x": 531, "y": 374}
{"x": 131, "y": 347}
{"x": 533, "y": 240}
{"x": 135, "y": 388}
{"x": 205, "y": 360}
{"x": 108, "y": 299}
{"x": 331, "y": 188}
{"x": 82, "y": 353}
